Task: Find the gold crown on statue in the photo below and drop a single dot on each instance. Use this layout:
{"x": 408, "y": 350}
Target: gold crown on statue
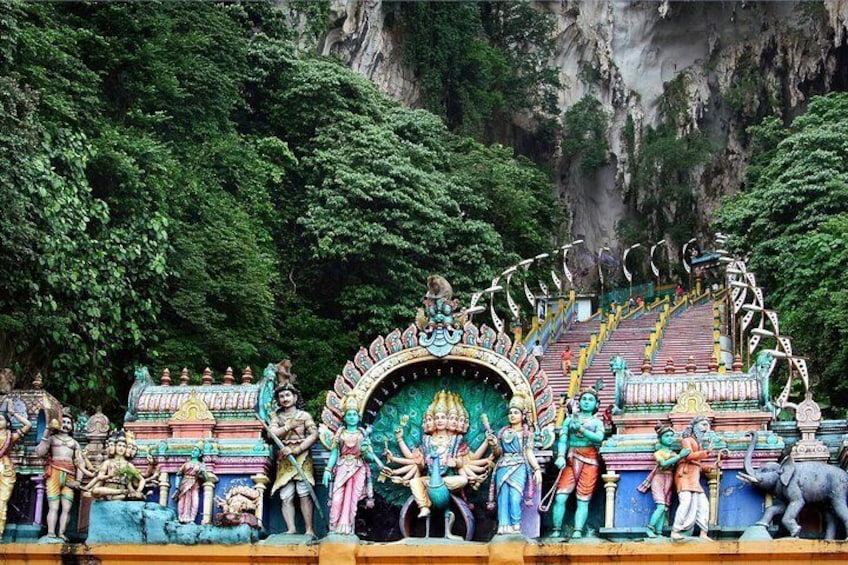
{"x": 439, "y": 404}
{"x": 519, "y": 400}
{"x": 351, "y": 402}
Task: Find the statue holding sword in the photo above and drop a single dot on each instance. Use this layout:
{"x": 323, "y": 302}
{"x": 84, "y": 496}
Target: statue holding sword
{"x": 294, "y": 432}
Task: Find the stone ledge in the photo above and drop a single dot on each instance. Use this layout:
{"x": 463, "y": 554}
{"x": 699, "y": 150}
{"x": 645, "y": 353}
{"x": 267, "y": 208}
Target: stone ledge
{"x": 777, "y": 552}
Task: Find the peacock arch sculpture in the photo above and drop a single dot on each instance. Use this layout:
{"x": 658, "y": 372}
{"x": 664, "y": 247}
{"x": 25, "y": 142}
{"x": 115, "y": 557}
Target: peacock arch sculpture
{"x": 429, "y": 394}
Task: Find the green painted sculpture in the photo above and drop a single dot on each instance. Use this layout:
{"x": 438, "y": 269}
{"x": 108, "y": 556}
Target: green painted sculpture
{"x": 577, "y": 458}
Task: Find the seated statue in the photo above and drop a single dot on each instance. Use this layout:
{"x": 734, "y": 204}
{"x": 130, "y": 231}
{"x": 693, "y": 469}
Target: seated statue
{"x": 443, "y": 450}
{"x": 117, "y": 478}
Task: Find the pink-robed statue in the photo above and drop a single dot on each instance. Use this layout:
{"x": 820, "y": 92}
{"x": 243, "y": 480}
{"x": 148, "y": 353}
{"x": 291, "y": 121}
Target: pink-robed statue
{"x": 193, "y": 473}
{"x": 349, "y": 472}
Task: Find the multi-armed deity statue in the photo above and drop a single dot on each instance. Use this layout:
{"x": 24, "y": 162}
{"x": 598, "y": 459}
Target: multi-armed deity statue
{"x": 443, "y": 462}
{"x": 117, "y": 478}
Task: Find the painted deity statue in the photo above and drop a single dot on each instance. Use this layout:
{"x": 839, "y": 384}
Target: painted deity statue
{"x": 577, "y": 458}
{"x": 693, "y": 506}
{"x": 62, "y": 473}
{"x": 191, "y": 475}
{"x": 151, "y": 473}
{"x": 443, "y": 448}
{"x": 348, "y": 471}
{"x": 297, "y": 432}
{"x": 517, "y": 473}
{"x": 660, "y": 479}
{"x": 117, "y": 478}
{"x": 8, "y": 439}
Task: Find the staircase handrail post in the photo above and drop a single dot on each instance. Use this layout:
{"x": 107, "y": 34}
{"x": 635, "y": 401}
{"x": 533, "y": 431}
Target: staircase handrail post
{"x": 573, "y": 383}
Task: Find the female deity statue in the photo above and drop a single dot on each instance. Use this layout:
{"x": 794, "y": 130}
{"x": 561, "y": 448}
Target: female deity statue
{"x": 8, "y": 476}
{"x": 513, "y": 447}
{"x": 442, "y": 448}
{"x": 659, "y": 480}
{"x": 349, "y": 472}
{"x": 192, "y": 473}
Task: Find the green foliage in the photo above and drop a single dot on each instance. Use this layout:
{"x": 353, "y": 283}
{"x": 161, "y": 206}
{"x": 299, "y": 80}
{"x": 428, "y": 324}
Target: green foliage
{"x": 181, "y": 188}
{"x": 765, "y": 137}
{"x": 83, "y": 283}
{"x": 480, "y": 62}
{"x": 584, "y": 135}
{"x": 510, "y": 193}
{"x": 792, "y": 219}
{"x": 660, "y": 193}
{"x": 315, "y": 13}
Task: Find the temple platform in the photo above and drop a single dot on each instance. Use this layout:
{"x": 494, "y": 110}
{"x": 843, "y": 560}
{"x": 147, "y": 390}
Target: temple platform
{"x": 510, "y": 551}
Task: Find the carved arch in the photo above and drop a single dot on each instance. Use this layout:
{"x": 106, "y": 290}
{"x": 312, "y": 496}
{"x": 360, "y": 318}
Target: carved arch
{"x": 372, "y": 367}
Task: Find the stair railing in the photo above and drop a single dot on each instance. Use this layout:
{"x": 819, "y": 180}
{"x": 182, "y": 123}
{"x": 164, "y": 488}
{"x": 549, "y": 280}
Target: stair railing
{"x": 717, "y": 329}
{"x": 658, "y": 303}
{"x": 555, "y": 323}
{"x": 657, "y": 333}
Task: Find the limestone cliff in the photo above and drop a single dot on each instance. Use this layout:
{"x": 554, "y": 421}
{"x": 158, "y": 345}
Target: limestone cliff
{"x": 734, "y": 61}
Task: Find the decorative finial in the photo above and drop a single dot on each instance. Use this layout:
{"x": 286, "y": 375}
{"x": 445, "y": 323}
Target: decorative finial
{"x": 228, "y": 379}
{"x": 206, "y": 379}
{"x": 646, "y": 366}
{"x": 184, "y": 377}
{"x": 669, "y": 366}
{"x": 247, "y": 376}
{"x": 737, "y": 363}
{"x": 166, "y": 377}
{"x": 690, "y": 365}
{"x": 37, "y": 382}
{"x": 713, "y": 366}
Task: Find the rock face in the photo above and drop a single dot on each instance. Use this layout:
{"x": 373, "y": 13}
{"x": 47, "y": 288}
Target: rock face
{"x": 148, "y": 523}
{"x": 788, "y": 50}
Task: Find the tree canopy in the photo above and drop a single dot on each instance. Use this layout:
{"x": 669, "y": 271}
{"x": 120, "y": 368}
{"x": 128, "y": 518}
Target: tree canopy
{"x": 182, "y": 188}
{"x": 793, "y": 219}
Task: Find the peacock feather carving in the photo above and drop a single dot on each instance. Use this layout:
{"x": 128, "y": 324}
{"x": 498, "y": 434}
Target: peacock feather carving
{"x": 364, "y": 373}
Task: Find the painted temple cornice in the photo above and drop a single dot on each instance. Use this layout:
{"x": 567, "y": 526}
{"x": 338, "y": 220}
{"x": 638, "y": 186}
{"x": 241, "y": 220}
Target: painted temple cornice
{"x": 159, "y": 402}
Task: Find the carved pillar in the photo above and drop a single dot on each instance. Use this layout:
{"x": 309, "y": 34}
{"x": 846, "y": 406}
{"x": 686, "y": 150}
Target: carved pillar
{"x": 164, "y": 487}
{"x": 208, "y": 499}
{"x": 610, "y": 485}
{"x": 713, "y": 480}
{"x": 39, "y": 499}
{"x": 260, "y": 482}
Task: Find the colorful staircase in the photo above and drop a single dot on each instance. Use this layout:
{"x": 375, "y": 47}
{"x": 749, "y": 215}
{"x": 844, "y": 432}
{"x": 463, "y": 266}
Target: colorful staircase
{"x": 579, "y": 334}
{"x": 688, "y": 334}
{"x": 628, "y": 341}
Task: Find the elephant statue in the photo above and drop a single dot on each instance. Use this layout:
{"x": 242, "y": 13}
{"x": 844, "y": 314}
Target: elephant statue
{"x": 796, "y": 484}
